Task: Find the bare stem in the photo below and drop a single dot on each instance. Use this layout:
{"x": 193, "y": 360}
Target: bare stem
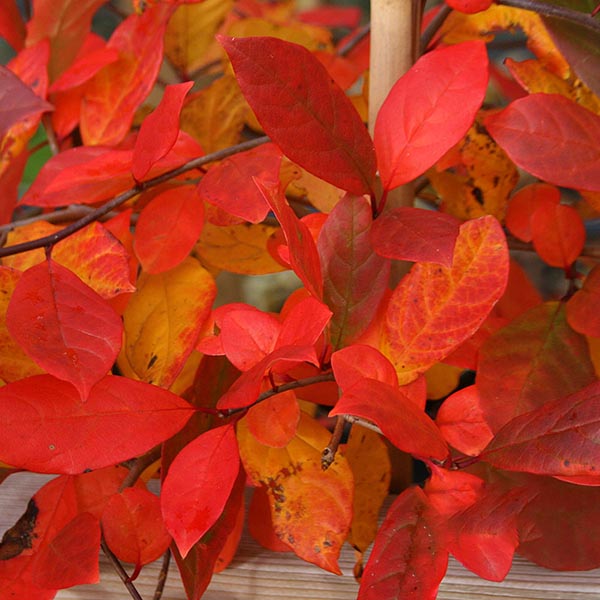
{"x": 51, "y": 240}
{"x": 363, "y": 423}
{"x": 434, "y": 26}
{"x": 162, "y": 576}
{"x": 121, "y": 572}
{"x": 50, "y": 134}
{"x": 328, "y": 454}
{"x": 139, "y": 466}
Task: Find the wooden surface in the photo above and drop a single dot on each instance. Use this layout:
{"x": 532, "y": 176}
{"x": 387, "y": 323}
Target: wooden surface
{"x": 258, "y": 574}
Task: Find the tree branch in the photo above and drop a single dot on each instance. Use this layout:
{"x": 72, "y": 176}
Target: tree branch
{"x": 51, "y": 240}
{"x": 162, "y": 576}
{"x": 328, "y": 454}
{"x": 121, "y": 572}
{"x": 139, "y": 465}
{"x": 434, "y": 26}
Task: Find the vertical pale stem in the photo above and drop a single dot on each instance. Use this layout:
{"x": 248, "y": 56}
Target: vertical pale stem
{"x": 393, "y": 39}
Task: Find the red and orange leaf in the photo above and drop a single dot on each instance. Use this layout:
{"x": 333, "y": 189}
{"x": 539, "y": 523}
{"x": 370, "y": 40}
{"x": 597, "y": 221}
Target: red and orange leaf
{"x": 260, "y": 523}
{"x": 552, "y": 138}
{"x": 357, "y": 362}
{"x": 303, "y": 254}
{"x": 582, "y": 308}
{"x": 14, "y": 362}
{"x": 159, "y": 130}
{"x": 524, "y": 203}
{"x": 273, "y": 422}
{"x": 65, "y": 23}
{"x": 163, "y": 320}
{"x": 416, "y": 235}
{"x": 355, "y": 279}
{"x": 434, "y": 308}
{"x": 65, "y": 435}
{"x": 112, "y": 96}
{"x": 17, "y": 101}
{"x": 400, "y": 420}
{"x": 12, "y": 27}
{"x": 311, "y": 508}
{"x": 168, "y": 228}
{"x": 229, "y": 184}
{"x": 462, "y": 422}
{"x": 133, "y": 528}
{"x": 558, "y": 234}
{"x": 71, "y": 557}
{"x": 535, "y": 359}
{"x": 428, "y": 110}
{"x": 559, "y": 438}
{"x": 198, "y": 484}
{"x": 62, "y": 324}
{"x": 303, "y": 111}
{"x": 408, "y": 560}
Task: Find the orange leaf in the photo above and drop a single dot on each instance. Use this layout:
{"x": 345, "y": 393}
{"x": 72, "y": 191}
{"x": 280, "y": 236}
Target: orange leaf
{"x": 198, "y": 484}
{"x": 311, "y": 508}
{"x": 163, "y": 320}
{"x": 159, "y": 130}
{"x": 434, "y": 308}
{"x": 273, "y": 422}
{"x": 65, "y": 435}
{"x": 167, "y": 229}
{"x": 64, "y": 325}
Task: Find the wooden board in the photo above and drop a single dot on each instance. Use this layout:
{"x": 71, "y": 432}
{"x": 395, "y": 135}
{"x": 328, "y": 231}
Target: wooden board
{"x": 258, "y": 574}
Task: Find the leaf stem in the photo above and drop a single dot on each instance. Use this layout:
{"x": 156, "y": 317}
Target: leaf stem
{"x": 51, "y": 240}
{"x": 50, "y": 134}
{"x": 162, "y": 576}
{"x": 328, "y": 454}
{"x": 139, "y": 465}
{"x": 551, "y": 10}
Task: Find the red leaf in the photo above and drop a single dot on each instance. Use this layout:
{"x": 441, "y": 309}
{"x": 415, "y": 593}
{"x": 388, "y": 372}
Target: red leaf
{"x": 304, "y": 257}
{"x": 62, "y": 324}
{"x": 229, "y": 185}
{"x": 12, "y": 28}
{"x": 113, "y": 95}
{"x": 408, "y": 560}
{"x": 303, "y": 323}
{"x": 469, "y": 6}
{"x": 524, "y": 203}
{"x": 417, "y": 235}
{"x": 558, "y": 234}
{"x": 167, "y": 228}
{"x": 462, "y": 422}
{"x": 133, "y": 528}
{"x": 551, "y": 137}
{"x": 450, "y": 492}
{"x": 48, "y": 429}
{"x": 400, "y": 420}
{"x": 582, "y": 308}
{"x": 559, "y": 438}
{"x": 17, "y": 101}
{"x": 535, "y": 359}
{"x": 159, "y": 130}
{"x": 332, "y": 16}
{"x": 273, "y": 422}
{"x": 303, "y": 111}
{"x": 356, "y": 362}
{"x": 429, "y": 110}
{"x": 71, "y": 557}
{"x": 355, "y": 279}
{"x": 198, "y": 484}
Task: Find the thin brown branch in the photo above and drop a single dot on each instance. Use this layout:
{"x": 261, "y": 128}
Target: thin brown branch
{"x": 359, "y": 35}
{"x": 51, "y": 240}
{"x": 121, "y": 572}
{"x": 50, "y": 134}
{"x": 362, "y": 422}
{"x": 328, "y": 454}
{"x": 434, "y": 26}
{"x": 162, "y": 576}
{"x": 552, "y": 10}
{"x": 140, "y": 464}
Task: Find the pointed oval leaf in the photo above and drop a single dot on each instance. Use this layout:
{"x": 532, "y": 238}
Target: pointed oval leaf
{"x": 303, "y": 111}
{"x": 428, "y": 110}
{"x": 408, "y": 559}
{"x": 416, "y": 235}
{"x": 273, "y": 422}
{"x": 559, "y": 438}
{"x": 159, "y": 130}
{"x": 355, "y": 362}
{"x": 62, "y": 324}
{"x": 133, "y": 528}
{"x": 121, "y": 419}
{"x": 552, "y": 138}
{"x": 355, "y": 279}
{"x": 198, "y": 484}
{"x": 434, "y": 308}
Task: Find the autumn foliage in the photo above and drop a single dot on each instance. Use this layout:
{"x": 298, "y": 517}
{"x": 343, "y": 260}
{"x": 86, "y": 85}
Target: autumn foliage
{"x": 119, "y": 366}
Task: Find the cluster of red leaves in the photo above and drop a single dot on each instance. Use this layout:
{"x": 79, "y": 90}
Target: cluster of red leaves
{"x": 110, "y": 349}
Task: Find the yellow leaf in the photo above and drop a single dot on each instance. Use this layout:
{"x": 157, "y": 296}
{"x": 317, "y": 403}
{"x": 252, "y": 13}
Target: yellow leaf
{"x": 459, "y": 27}
{"x": 369, "y": 460}
{"x": 311, "y": 508}
{"x": 322, "y": 195}
{"x": 14, "y": 363}
{"x": 191, "y": 33}
{"x": 592, "y": 199}
{"x": 535, "y": 78}
{"x": 441, "y": 380}
{"x": 239, "y": 249}
{"x": 482, "y": 180}
{"x": 215, "y": 116}
{"x": 163, "y": 320}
